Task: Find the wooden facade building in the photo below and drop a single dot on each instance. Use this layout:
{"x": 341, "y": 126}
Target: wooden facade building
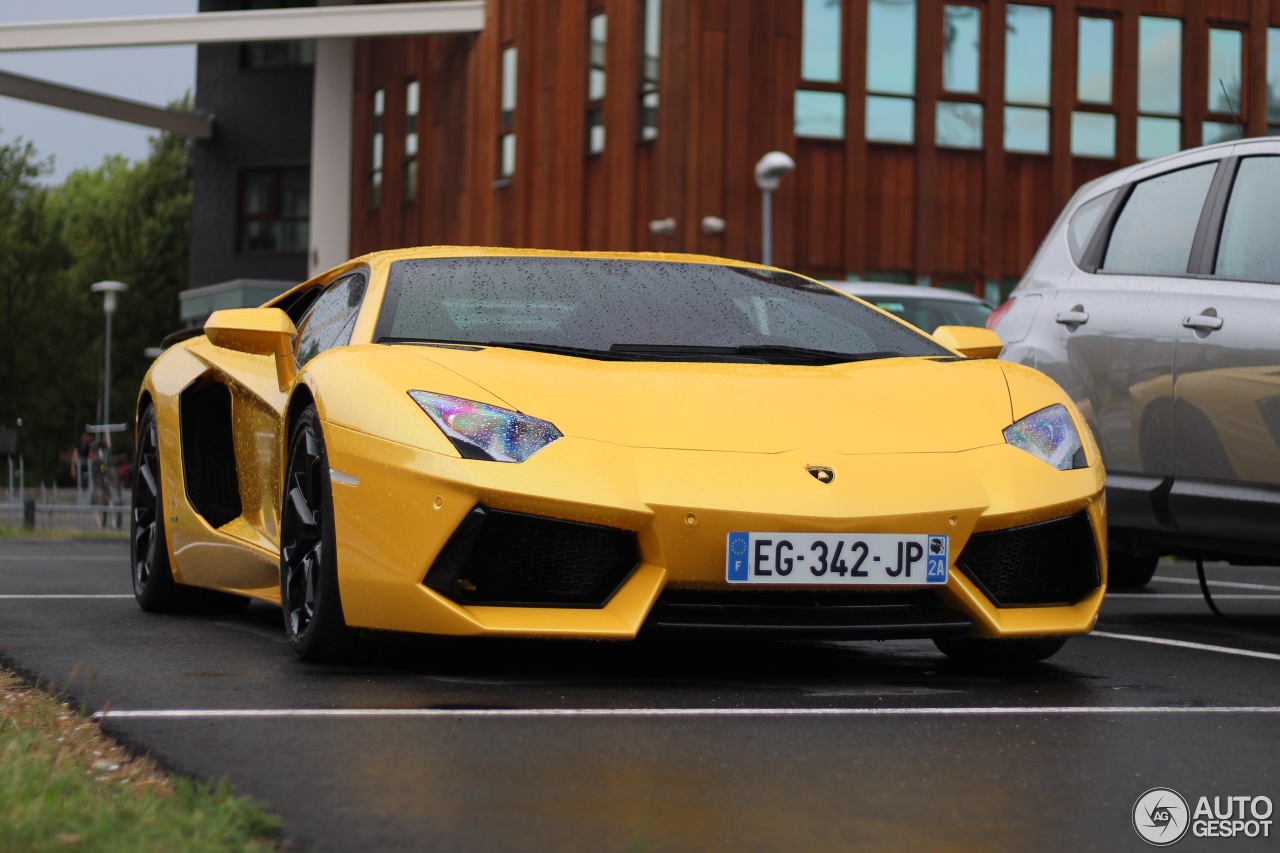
{"x": 934, "y": 141}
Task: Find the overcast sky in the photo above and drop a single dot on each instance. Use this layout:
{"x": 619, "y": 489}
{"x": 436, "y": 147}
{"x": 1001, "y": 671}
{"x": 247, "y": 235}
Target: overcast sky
{"x": 153, "y": 75}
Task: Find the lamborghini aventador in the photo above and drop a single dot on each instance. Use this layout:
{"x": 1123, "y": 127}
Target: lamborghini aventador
{"x": 499, "y": 442}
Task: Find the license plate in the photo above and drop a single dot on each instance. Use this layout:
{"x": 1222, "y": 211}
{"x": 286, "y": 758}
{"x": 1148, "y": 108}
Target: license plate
{"x": 832, "y": 559}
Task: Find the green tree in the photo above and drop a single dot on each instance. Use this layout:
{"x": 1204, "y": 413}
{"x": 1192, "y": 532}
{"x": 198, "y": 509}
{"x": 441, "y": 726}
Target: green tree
{"x": 33, "y": 328}
{"x": 124, "y": 221}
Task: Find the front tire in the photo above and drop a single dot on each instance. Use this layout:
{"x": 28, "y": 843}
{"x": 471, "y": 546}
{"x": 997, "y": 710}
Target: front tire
{"x": 153, "y": 584}
{"x": 309, "y": 596}
{"x": 1000, "y": 652}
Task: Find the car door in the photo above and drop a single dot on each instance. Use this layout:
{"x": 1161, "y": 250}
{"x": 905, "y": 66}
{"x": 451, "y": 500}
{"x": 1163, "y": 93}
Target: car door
{"x": 1227, "y": 364}
{"x": 1117, "y": 319}
{"x": 259, "y": 405}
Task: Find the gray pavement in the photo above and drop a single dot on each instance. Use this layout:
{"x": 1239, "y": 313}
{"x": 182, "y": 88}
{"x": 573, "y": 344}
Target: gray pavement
{"x": 466, "y": 745}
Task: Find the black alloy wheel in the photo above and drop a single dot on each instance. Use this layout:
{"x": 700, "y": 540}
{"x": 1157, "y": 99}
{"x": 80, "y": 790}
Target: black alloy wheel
{"x": 309, "y": 596}
{"x": 153, "y": 584}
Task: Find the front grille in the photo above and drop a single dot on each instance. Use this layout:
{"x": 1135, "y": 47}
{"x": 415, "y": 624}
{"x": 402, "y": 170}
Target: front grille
{"x": 811, "y": 613}
{"x": 498, "y": 557}
{"x": 1053, "y": 562}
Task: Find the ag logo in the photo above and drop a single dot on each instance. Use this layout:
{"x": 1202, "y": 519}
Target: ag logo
{"x": 1160, "y": 817}
{"x": 820, "y": 473}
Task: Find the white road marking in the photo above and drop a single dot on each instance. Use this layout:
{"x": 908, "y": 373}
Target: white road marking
{"x": 1193, "y": 595}
{"x": 525, "y": 713}
{"x": 1232, "y": 584}
{"x": 1184, "y": 644}
{"x": 64, "y": 559}
{"x": 28, "y": 597}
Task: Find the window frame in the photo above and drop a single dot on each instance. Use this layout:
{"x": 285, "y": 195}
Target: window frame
{"x": 948, "y": 96}
{"x": 1110, "y": 108}
{"x": 277, "y": 173}
{"x": 1208, "y": 228}
{"x": 1239, "y": 117}
{"x": 1047, "y": 106}
{"x": 835, "y": 88}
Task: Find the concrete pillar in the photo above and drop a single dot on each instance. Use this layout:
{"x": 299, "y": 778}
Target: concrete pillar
{"x": 331, "y": 153}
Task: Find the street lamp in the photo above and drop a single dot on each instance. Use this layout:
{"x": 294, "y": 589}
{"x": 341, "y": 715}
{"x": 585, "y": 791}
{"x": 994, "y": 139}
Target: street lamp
{"x": 769, "y": 171}
{"x": 108, "y": 289}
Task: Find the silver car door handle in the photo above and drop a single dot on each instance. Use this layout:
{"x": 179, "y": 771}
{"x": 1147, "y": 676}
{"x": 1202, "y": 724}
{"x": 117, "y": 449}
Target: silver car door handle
{"x": 1071, "y": 318}
{"x": 1202, "y": 322}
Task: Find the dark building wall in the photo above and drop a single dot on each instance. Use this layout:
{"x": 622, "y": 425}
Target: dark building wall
{"x": 262, "y": 118}
{"x": 729, "y": 73}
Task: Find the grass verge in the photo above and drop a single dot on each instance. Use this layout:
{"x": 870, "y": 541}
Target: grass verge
{"x": 64, "y": 785}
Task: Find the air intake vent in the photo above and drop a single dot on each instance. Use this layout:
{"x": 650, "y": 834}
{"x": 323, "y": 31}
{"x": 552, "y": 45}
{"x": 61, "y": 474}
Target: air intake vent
{"x": 810, "y": 613}
{"x": 1053, "y": 562}
{"x": 498, "y": 557}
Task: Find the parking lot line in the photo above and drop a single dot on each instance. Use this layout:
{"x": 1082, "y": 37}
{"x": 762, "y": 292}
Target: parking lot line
{"x": 60, "y": 596}
{"x": 1190, "y": 595}
{"x": 526, "y": 713}
{"x": 1185, "y": 644}
{"x": 1232, "y": 584}
{"x": 64, "y": 558}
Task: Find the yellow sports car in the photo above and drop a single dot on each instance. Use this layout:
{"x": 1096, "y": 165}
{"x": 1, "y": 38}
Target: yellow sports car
{"x": 526, "y": 443}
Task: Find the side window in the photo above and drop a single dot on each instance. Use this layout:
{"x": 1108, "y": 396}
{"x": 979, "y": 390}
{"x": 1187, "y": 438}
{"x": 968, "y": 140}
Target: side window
{"x": 1085, "y": 221}
{"x": 329, "y": 322}
{"x": 1154, "y": 232}
{"x": 1248, "y": 248}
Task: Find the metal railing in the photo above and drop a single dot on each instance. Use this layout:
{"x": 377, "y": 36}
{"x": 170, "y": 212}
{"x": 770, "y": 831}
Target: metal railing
{"x": 64, "y": 517}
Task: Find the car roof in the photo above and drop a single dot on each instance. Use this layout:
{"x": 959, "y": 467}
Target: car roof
{"x": 905, "y": 291}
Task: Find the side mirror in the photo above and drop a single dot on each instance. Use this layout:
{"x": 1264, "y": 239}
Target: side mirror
{"x": 257, "y": 331}
{"x": 973, "y": 341}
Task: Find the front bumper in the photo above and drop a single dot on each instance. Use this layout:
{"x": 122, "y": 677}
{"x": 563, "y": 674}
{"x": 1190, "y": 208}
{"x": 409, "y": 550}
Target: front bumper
{"x": 397, "y": 507}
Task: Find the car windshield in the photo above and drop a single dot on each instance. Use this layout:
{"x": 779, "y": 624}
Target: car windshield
{"x": 929, "y": 314}
{"x": 634, "y": 309}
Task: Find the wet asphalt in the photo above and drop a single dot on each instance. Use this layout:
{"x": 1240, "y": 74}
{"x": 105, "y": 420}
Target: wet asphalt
{"x": 707, "y": 745}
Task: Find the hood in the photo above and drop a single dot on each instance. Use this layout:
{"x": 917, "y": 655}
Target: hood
{"x": 886, "y": 406}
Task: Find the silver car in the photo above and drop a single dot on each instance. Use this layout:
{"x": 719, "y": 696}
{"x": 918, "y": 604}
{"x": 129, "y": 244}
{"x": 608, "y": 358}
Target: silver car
{"x": 925, "y": 308}
{"x": 1154, "y": 302}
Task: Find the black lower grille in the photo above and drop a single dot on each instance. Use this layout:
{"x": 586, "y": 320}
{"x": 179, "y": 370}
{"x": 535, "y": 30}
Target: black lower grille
{"x": 837, "y": 614}
{"x": 498, "y": 557}
{"x": 1053, "y": 562}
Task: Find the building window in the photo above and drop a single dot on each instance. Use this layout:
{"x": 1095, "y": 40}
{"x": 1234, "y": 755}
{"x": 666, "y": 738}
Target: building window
{"x": 1226, "y": 86}
{"x": 277, "y": 54}
{"x": 375, "y": 167}
{"x": 275, "y": 209}
{"x": 411, "y": 95}
{"x": 1093, "y": 121}
{"x": 1159, "y": 86}
{"x": 819, "y": 102}
{"x": 891, "y": 71}
{"x": 651, "y": 53}
{"x": 959, "y": 116}
{"x": 507, "y": 138}
{"x": 1028, "y": 51}
{"x": 1273, "y": 81}
{"x": 597, "y": 39}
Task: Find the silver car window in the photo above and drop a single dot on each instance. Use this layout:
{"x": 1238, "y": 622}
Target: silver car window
{"x": 1085, "y": 221}
{"x": 1154, "y": 232}
{"x": 1249, "y": 248}
{"x": 331, "y": 319}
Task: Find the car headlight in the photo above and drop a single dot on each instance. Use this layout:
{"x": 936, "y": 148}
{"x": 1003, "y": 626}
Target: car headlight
{"x": 481, "y": 431}
{"x": 1049, "y": 435}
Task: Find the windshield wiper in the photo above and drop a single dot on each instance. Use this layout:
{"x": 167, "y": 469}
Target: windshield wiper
{"x": 530, "y": 346}
{"x": 429, "y": 342}
{"x": 772, "y": 353}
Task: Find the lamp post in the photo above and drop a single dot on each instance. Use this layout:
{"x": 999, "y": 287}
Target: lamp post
{"x": 769, "y": 171}
{"x": 108, "y": 289}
